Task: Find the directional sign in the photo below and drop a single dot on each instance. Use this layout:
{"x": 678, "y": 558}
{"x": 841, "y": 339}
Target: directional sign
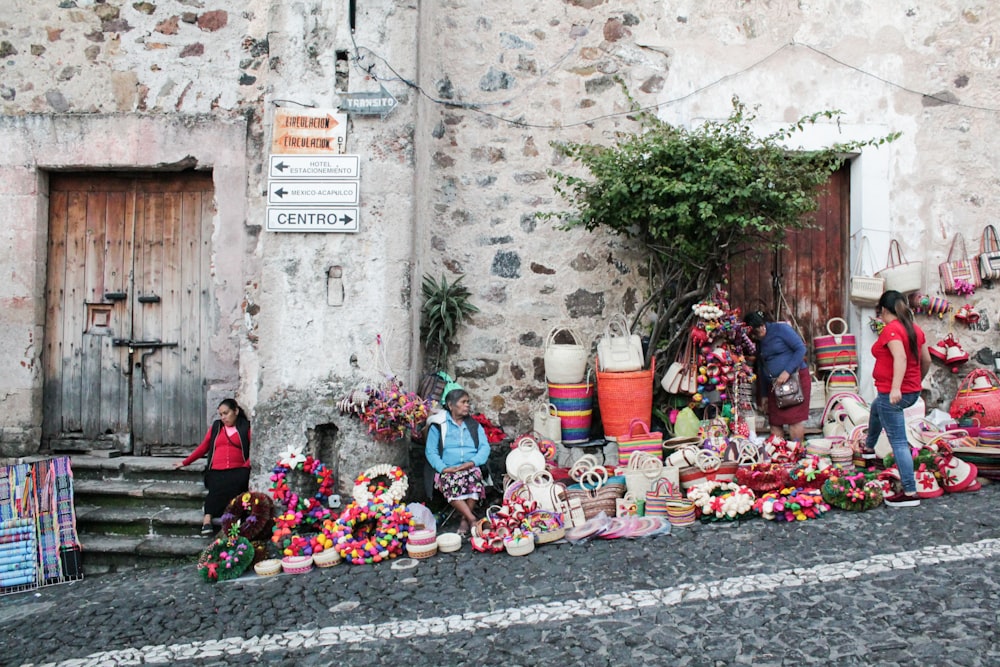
{"x": 312, "y": 219}
{"x": 312, "y": 192}
{"x": 309, "y": 131}
{"x": 324, "y": 167}
{"x": 369, "y": 104}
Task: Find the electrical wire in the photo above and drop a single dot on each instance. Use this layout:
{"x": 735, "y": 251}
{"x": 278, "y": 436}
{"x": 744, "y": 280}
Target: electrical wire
{"x": 478, "y": 107}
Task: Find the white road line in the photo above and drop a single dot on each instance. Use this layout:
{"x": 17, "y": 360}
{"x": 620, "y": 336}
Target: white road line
{"x": 604, "y": 605}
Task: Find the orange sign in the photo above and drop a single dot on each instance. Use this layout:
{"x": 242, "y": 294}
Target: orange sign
{"x": 314, "y": 131}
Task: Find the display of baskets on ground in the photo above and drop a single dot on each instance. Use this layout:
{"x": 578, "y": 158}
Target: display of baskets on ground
{"x": 574, "y": 404}
{"x": 623, "y": 397}
{"x": 980, "y": 386}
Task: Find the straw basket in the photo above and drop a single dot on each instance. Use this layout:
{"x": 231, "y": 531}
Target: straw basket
{"x": 326, "y": 558}
{"x": 574, "y": 403}
{"x": 519, "y": 546}
{"x": 564, "y": 362}
{"x": 623, "y": 397}
{"x": 449, "y": 542}
{"x": 596, "y": 496}
{"x": 546, "y": 536}
{"x": 268, "y": 568}
{"x": 420, "y": 551}
{"x": 680, "y": 512}
{"x": 297, "y": 564}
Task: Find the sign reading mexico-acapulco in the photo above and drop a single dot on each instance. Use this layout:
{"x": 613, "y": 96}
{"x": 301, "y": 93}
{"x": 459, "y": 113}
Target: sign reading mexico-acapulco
{"x": 312, "y": 185}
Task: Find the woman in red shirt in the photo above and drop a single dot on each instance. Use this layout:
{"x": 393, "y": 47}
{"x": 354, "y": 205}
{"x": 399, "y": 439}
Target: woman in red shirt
{"x": 227, "y": 473}
{"x": 901, "y": 360}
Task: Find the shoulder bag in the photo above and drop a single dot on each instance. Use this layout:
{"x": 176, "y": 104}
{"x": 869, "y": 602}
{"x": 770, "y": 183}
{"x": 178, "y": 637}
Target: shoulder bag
{"x": 958, "y": 268}
{"x": 989, "y": 254}
{"x": 899, "y": 274}
{"x": 619, "y": 350}
{"x": 865, "y": 289}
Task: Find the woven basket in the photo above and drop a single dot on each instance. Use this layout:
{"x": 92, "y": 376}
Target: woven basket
{"x": 564, "y": 363}
{"x": 623, "y": 397}
{"x": 420, "y": 551}
{"x": 268, "y": 568}
{"x": 680, "y": 512}
{"x": 449, "y": 542}
{"x": 297, "y": 564}
{"x": 521, "y": 547}
{"x": 988, "y": 398}
{"x": 595, "y": 501}
{"x": 326, "y": 558}
{"x": 547, "y": 536}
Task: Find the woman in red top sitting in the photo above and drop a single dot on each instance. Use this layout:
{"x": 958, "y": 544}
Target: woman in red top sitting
{"x": 227, "y": 473}
{"x": 901, "y": 360}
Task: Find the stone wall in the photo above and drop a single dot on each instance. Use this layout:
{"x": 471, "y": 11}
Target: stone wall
{"x": 452, "y": 179}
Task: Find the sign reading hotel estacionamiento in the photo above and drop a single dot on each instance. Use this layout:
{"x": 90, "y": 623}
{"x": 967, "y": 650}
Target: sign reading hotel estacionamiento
{"x": 313, "y": 193}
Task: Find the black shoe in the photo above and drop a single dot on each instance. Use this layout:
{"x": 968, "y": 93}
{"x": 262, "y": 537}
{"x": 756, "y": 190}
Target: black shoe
{"x": 207, "y": 530}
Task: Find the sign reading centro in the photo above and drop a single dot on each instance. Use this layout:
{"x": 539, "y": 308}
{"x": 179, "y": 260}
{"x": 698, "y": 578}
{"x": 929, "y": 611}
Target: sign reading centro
{"x": 312, "y": 219}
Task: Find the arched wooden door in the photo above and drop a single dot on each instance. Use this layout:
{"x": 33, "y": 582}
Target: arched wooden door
{"x": 128, "y": 311}
{"x": 807, "y": 281}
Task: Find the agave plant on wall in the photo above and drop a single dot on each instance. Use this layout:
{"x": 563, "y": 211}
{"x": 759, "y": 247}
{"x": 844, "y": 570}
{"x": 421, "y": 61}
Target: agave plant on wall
{"x": 445, "y": 307}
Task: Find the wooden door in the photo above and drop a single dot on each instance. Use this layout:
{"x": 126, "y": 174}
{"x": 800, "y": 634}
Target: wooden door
{"x": 128, "y": 312}
{"x": 807, "y": 281}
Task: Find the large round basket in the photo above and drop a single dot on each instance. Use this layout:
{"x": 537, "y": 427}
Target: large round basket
{"x": 421, "y": 551}
{"x": 268, "y": 568}
{"x": 544, "y": 537}
{"x": 623, "y": 397}
{"x": 296, "y": 564}
{"x": 449, "y": 542}
{"x": 326, "y": 558}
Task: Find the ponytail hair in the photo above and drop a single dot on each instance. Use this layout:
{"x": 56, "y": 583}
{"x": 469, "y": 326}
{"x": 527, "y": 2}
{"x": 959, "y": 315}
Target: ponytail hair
{"x": 896, "y": 303}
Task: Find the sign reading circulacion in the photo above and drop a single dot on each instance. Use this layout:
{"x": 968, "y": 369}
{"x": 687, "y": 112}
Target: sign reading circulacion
{"x": 309, "y": 131}
{"x": 312, "y": 219}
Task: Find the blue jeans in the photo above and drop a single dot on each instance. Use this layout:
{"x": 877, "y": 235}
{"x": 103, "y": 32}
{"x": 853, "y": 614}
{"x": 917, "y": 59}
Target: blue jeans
{"x": 890, "y": 417}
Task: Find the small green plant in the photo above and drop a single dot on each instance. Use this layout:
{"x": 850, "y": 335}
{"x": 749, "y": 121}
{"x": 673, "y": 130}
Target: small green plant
{"x": 446, "y": 305}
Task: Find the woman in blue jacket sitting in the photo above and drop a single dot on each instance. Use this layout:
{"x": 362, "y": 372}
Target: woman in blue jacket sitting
{"x": 457, "y": 455}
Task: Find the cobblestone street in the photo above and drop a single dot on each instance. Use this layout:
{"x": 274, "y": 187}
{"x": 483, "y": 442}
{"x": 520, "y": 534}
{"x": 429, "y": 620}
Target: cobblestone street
{"x": 885, "y": 587}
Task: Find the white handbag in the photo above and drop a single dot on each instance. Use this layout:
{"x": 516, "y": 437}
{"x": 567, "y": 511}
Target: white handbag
{"x": 548, "y": 424}
{"x": 619, "y": 350}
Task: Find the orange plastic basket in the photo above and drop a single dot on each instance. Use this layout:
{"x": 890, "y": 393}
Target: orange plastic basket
{"x": 967, "y": 397}
{"x": 623, "y": 397}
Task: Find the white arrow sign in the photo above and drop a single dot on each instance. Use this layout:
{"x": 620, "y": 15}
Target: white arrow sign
{"x": 312, "y": 219}
{"x": 324, "y": 167}
{"x": 312, "y": 192}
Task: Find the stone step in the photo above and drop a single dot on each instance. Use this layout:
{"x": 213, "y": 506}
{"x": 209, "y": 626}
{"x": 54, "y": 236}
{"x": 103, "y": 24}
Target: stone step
{"x": 138, "y": 521}
{"x": 149, "y": 495}
{"x": 104, "y": 553}
{"x": 137, "y": 468}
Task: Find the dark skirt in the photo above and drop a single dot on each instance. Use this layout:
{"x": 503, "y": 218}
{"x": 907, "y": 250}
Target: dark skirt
{"x": 223, "y": 486}
{"x": 463, "y": 484}
{"x": 791, "y": 415}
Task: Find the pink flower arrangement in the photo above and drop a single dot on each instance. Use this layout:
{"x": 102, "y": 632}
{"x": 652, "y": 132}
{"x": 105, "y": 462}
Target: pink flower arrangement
{"x": 963, "y": 287}
{"x": 392, "y": 411}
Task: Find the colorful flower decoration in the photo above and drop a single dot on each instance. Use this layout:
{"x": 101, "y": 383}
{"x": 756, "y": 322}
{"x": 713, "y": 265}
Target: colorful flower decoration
{"x": 791, "y": 504}
{"x": 253, "y": 511}
{"x": 391, "y": 412}
{"x": 371, "y": 532}
{"x": 297, "y": 511}
{"x": 763, "y": 477}
{"x": 810, "y": 473}
{"x": 227, "y": 557}
{"x": 721, "y": 500}
{"x": 382, "y": 481}
{"x": 855, "y": 493}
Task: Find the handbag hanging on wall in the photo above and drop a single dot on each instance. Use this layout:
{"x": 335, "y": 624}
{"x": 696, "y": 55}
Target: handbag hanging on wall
{"x": 958, "y": 267}
{"x": 865, "y": 289}
{"x": 900, "y": 275}
{"x": 989, "y": 254}
{"x": 619, "y": 350}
